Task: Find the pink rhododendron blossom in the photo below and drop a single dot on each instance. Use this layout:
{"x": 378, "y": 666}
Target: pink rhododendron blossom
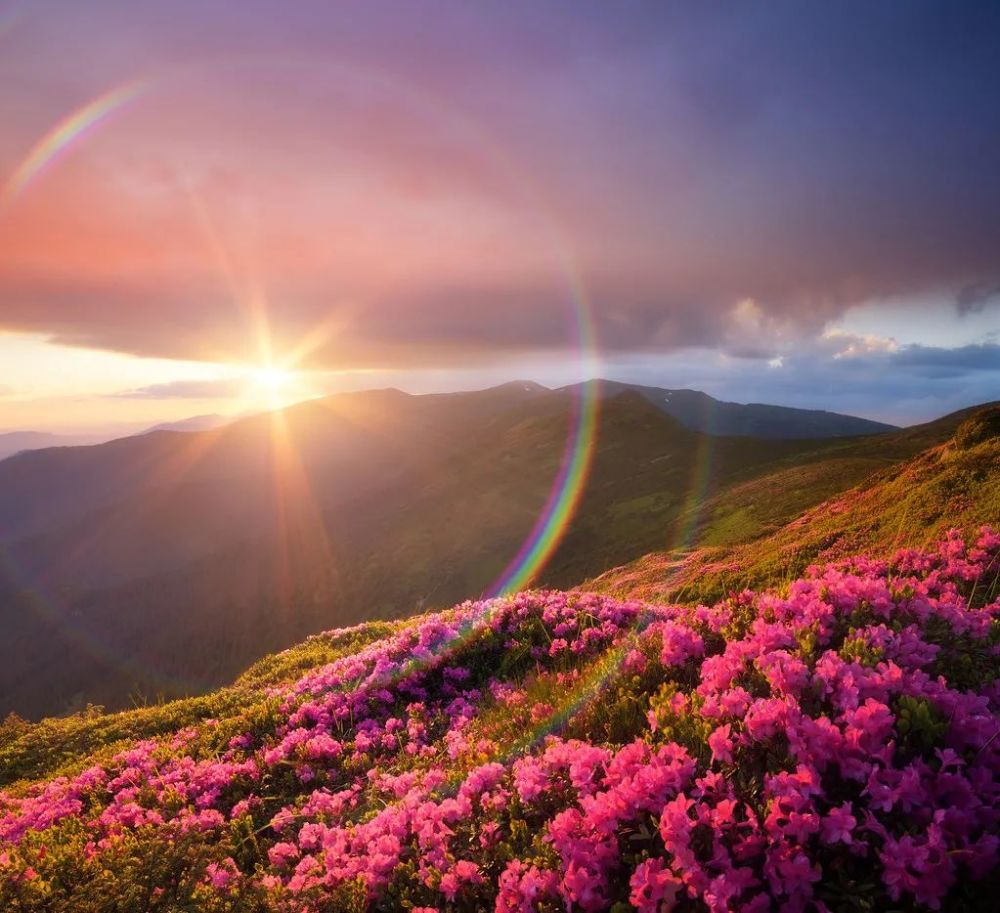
{"x": 653, "y": 888}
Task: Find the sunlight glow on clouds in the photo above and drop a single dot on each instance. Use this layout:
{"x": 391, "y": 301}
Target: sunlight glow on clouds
{"x": 44, "y": 368}
{"x": 849, "y": 345}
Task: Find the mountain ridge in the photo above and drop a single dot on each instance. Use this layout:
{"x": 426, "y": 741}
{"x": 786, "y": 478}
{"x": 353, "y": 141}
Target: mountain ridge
{"x": 701, "y": 412}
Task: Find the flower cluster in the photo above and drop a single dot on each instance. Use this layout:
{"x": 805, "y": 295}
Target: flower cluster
{"x": 565, "y": 751}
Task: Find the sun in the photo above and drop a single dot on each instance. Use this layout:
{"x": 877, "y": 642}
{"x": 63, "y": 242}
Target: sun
{"x": 272, "y": 386}
{"x": 272, "y": 378}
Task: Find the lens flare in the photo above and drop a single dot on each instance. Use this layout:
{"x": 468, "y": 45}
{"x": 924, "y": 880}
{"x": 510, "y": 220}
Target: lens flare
{"x": 564, "y": 496}
{"x": 70, "y": 130}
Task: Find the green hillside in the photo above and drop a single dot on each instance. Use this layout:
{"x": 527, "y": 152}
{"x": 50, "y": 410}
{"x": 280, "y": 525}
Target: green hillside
{"x": 954, "y": 482}
{"x": 743, "y": 542}
{"x": 438, "y": 527}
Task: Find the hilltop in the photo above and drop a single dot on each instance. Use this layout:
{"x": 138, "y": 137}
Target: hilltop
{"x": 701, "y": 412}
{"x": 14, "y": 442}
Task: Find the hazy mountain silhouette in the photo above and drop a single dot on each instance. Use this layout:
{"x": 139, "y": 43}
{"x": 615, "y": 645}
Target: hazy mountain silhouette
{"x": 12, "y": 442}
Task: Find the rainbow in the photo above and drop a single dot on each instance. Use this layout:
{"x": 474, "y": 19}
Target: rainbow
{"x": 563, "y": 499}
{"x": 71, "y": 129}
{"x": 570, "y": 481}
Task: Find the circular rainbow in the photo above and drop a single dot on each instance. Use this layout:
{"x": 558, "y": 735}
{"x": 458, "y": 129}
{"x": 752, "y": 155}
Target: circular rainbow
{"x": 569, "y": 484}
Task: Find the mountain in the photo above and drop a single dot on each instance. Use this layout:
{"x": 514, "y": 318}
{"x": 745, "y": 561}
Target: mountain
{"x": 341, "y": 445}
{"x": 12, "y": 442}
{"x": 832, "y": 747}
{"x": 165, "y": 563}
{"x": 701, "y": 412}
{"x": 251, "y": 536}
{"x": 102, "y": 544}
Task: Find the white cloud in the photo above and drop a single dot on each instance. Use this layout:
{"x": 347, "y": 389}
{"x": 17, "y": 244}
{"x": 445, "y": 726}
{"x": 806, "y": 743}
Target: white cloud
{"x": 852, "y": 345}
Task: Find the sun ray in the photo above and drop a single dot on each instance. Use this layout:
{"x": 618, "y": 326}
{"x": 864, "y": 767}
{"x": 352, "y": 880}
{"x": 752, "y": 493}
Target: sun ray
{"x": 300, "y": 531}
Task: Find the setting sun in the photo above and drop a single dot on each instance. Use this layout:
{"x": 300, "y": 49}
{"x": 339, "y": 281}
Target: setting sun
{"x": 272, "y": 387}
{"x": 272, "y": 378}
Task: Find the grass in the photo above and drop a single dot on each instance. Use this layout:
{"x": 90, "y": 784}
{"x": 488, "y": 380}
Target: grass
{"x": 60, "y": 745}
{"x": 953, "y": 484}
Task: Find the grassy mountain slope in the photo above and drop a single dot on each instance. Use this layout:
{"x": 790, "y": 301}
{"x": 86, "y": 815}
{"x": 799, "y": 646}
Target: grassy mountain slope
{"x": 420, "y": 508}
{"x": 572, "y": 751}
{"x": 955, "y": 483}
{"x": 342, "y": 444}
{"x": 745, "y": 510}
{"x": 428, "y": 534}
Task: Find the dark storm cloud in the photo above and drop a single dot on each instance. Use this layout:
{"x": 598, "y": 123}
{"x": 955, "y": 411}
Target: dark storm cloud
{"x": 964, "y": 359}
{"x": 447, "y": 324}
{"x": 971, "y": 299}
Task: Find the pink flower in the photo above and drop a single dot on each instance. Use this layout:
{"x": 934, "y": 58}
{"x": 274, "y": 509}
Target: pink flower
{"x": 835, "y": 691}
{"x": 838, "y": 825}
{"x": 654, "y": 888}
{"x": 721, "y": 745}
{"x": 522, "y": 887}
{"x": 221, "y": 875}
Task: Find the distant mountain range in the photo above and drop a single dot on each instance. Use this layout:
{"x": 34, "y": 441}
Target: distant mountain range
{"x": 692, "y": 408}
{"x": 167, "y": 561}
{"x": 195, "y": 423}
{"x": 12, "y": 442}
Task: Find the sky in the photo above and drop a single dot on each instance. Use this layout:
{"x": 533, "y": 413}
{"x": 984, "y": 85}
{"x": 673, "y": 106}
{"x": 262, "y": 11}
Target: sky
{"x": 217, "y": 207}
